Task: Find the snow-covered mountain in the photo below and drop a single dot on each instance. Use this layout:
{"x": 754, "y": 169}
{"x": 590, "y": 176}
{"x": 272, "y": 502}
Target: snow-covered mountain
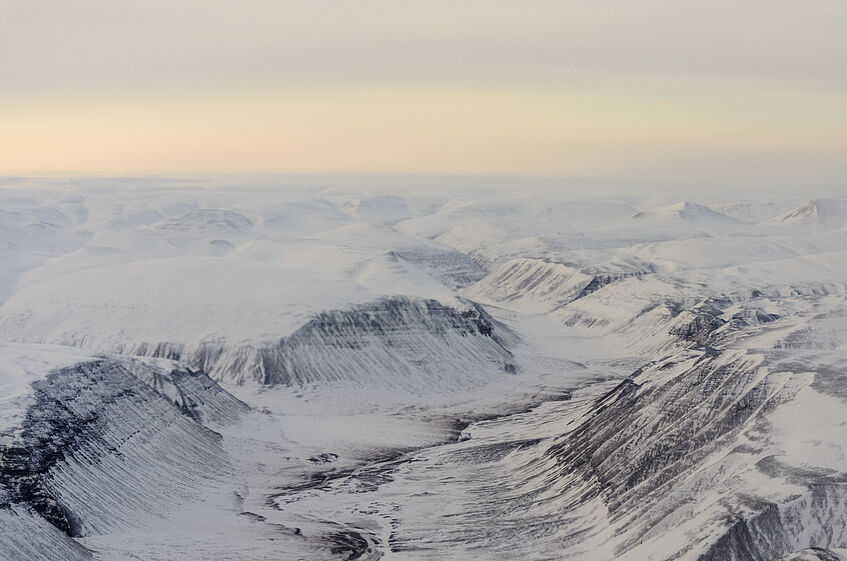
{"x": 261, "y": 369}
{"x": 820, "y": 213}
{"x": 755, "y": 211}
{"x": 687, "y": 211}
{"x": 417, "y": 346}
{"x": 104, "y": 445}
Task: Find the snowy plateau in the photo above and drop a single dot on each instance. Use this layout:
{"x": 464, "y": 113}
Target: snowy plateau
{"x": 258, "y": 369}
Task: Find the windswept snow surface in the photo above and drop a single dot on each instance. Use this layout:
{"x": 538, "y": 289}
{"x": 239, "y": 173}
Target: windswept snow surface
{"x": 277, "y": 368}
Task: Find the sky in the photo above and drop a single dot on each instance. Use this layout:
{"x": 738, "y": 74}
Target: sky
{"x": 723, "y": 92}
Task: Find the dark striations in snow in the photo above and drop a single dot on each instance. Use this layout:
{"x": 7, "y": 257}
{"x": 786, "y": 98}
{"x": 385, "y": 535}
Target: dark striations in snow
{"x": 645, "y": 449}
{"x": 449, "y": 266}
{"x": 551, "y": 284}
{"x": 26, "y": 536}
{"x": 644, "y": 434}
{"x": 700, "y": 325}
{"x": 813, "y": 522}
{"x": 101, "y": 449}
{"x": 197, "y": 395}
{"x": 600, "y": 279}
{"x": 396, "y": 342}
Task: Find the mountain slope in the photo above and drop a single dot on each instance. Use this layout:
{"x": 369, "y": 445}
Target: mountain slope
{"x": 400, "y": 344}
{"x": 101, "y": 449}
{"x": 818, "y": 213}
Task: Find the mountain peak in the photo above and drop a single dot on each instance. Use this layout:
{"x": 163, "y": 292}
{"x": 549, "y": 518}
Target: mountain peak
{"x": 689, "y": 211}
{"x": 819, "y": 212}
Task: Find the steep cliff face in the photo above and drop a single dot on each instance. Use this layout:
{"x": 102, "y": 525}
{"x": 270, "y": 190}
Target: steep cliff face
{"x": 105, "y": 447}
{"x": 541, "y": 286}
{"x": 653, "y": 439}
{"x": 452, "y": 268}
{"x": 400, "y": 343}
{"x": 814, "y": 522}
{"x": 395, "y": 343}
{"x": 688, "y": 456}
{"x": 193, "y": 392}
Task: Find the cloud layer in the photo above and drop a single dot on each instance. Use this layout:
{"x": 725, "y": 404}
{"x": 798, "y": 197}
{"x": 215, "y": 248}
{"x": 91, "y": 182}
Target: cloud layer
{"x": 657, "y": 89}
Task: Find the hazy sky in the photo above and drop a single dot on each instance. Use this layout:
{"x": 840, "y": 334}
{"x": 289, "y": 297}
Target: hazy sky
{"x": 726, "y": 91}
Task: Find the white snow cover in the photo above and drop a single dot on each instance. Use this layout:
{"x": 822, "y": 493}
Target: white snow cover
{"x": 427, "y": 371}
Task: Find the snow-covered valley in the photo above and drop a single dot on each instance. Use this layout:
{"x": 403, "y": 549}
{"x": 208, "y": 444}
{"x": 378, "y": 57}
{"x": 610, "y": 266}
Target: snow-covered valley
{"x": 271, "y": 369}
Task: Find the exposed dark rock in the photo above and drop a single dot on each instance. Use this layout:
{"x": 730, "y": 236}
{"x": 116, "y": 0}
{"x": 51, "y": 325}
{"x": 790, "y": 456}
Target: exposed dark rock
{"x": 600, "y": 280}
{"x": 814, "y": 522}
{"x": 404, "y": 336}
{"x": 99, "y": 446}
{"x": 642, "y": 436}
{"x": 350, "y": 543}
{"x": 700, "y": 327}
